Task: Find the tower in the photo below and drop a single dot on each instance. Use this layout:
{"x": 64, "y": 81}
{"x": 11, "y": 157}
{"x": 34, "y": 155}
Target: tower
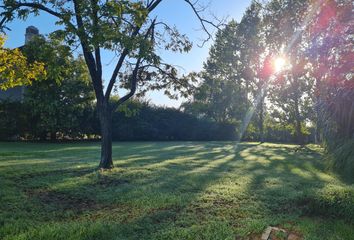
{"x": 31, "y": 31}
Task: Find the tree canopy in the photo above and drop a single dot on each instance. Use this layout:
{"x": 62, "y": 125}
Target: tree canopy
{"x": 58, "y": 104}
{"x": 15, "y": 69}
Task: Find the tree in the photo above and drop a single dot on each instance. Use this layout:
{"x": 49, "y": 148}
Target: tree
{"x": 127, "y": 28}
{"x": 14, "y": 69}
{"x": 58, "y": 103}
{"x": 13, "y": 120}
{"x": 291, "y": 91}
{"x": 232, "y": 77}
{"x": 252, "y": 59}
{"x": 222, "y": 95}
{"x": 331, "y": 54}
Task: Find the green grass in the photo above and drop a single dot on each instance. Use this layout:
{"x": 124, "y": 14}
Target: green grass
{"x": 170, "y": 190}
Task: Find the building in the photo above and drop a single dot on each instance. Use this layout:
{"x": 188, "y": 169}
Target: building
{"x": 17, "y": 93}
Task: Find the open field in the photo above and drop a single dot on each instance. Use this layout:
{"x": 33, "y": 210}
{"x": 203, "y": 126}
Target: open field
{"x": 170, "y": 190}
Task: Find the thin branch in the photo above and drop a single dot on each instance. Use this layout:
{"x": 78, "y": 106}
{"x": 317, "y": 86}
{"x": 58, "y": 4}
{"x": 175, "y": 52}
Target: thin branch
{"x": 202, "y": 21}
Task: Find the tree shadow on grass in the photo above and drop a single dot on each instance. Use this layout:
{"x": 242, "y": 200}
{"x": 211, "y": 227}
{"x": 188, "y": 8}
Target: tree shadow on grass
{"x": 295, "y": 187}
{"x": 159, "y": 185}
{"x": 166, "y": 177}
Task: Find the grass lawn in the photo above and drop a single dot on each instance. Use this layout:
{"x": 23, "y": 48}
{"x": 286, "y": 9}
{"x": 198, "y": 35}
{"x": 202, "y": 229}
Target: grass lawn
{"x": 170, "y": 190}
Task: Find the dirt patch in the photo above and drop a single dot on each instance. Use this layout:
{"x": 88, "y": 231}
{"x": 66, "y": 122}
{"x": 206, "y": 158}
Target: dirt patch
{"x": 63, "y": 201}
{"x": 166, "y": 214}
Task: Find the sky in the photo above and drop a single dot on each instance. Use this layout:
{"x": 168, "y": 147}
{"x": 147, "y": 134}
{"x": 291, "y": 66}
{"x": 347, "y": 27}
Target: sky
{"x": 173, "y": 12}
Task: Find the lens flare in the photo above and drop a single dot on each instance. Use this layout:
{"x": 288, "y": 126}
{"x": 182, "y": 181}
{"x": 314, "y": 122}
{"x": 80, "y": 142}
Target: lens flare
{"x": 279, "y": 64}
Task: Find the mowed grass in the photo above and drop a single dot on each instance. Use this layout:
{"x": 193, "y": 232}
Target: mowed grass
{"x": 170, "y": 190}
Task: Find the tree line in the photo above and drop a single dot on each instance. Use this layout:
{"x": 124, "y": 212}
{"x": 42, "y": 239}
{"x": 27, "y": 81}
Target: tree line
{"x": 62, "y": 107}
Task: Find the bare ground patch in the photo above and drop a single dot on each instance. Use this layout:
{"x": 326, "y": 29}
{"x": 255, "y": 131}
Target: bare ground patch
{"x": 63, "y": 201}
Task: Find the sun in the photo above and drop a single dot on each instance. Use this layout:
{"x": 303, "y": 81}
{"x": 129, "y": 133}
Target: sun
{"x": 279, "y": 64}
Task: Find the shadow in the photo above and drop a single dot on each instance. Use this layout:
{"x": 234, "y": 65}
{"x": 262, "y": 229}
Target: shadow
{"x": 159, "y": 186}
{"x": 298, "y": 185}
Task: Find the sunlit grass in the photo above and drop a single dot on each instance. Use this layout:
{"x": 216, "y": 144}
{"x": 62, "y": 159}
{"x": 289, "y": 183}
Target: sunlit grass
{"x": 170, "y": 190}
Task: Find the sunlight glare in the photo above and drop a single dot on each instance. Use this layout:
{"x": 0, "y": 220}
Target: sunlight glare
{"x": 279, "y": 64}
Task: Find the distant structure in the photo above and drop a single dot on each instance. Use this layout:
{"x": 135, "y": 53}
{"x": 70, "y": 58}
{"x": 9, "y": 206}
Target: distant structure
{"x": 31, "y": 31}
{"x": 17, "y": 93}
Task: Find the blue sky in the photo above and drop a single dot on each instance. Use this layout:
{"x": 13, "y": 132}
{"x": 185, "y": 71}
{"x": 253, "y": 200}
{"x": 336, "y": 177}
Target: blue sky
{"x": 174, "y": 12}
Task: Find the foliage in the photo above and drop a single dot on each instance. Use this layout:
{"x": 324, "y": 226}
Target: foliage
{"x": 135, "y": 120}
{"x": 14, "y": 121}
{"x": 340, "y": 157}
{"x": 331, "y": 53}
{"x": 125, "y": 27}
{"x": 170, "y": 190}
{"x": 60, "y": 104}
{"x": 290, "y": 91}
{"x": 141, "y": 121}
{"x": 221, "y": 96}
{"x": 15, "y": 70}
{"x": 311, "y": 96}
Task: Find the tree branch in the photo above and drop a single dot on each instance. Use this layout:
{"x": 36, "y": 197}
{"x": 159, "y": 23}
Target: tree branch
{"x": 202, "y": 21}
{"x": 134, "y": 79}
{"x": 33, "y": 5}
{"x": 150, "y": 6}
{"x": 39, "y": 6}
{"x": 90, "y": 60}
{"x": 2, "y": 22}
{"x": 136, "y": 70}
{"x": 97, "y": 48}
{"x": 115, "y": 73}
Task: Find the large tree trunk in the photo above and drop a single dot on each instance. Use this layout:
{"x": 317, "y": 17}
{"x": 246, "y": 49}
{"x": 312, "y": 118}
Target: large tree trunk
{"x": 105, "y": 116}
